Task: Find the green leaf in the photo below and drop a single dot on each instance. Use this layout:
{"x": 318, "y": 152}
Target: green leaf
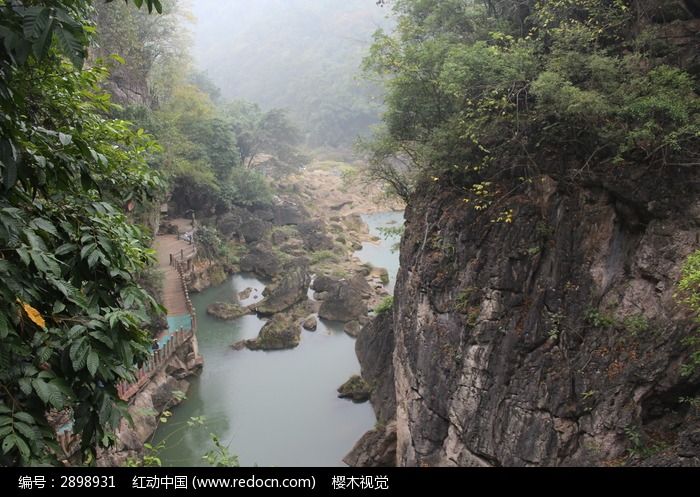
{"x": 65, "y": 139}
{"x": 23, "y": 447}
{"x": 87, "y": 250}
{"x": 41, "y": 46}
{"x": 98, "y": 335}
{"x": 44, "y": 354}
{"x": 44, "y": 225}
{"x": 72, "y": 48}
{"x": 93, "y": 362}
{"x": 8, "y": 156}
{"x": 23, "y": 254}
{"x": 25, "y": 384}
{"x": 35, "y": 21}
{"x": 25, "y": 416}
{"x": 119, "y": 59}
{"x": 34, "y": 240}
{"x": 42, "y": 389}
{"x": 25, "y": 430}
{"x": 8, "y": 443}
{"x": 56, "y": 397}
{"x": 78, "y": 354}
{"x": 93, "y": 258}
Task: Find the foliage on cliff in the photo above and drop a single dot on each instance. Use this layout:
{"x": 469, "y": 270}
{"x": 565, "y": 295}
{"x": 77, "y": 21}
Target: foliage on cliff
{"x": 72, "y": 316}
{"x": 209, "y": 146}
{"x": 481, "y": 90}
{"x": 689, "y": 294}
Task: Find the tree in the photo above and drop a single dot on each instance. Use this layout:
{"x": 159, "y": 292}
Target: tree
{"x": 486, "y": 90}
{"x": 260, "y": 132}
{"x": 152, "y": 51}
{"x": 72, "y": 316}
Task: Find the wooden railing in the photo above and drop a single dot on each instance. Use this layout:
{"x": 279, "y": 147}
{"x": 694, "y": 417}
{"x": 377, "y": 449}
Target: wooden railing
{"x": 181, "y": 268}
{"x": 184, "y": 256}
{"x": 161, "y": 356}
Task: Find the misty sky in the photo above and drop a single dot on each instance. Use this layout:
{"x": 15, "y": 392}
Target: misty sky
{"x": 256, "y": 49}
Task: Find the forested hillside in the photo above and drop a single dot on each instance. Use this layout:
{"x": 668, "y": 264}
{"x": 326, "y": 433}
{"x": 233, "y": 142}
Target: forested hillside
{"x": 302, "y": 55}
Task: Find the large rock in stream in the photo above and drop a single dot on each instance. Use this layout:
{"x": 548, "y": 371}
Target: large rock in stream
{"x": 291, "y": 289}
{"x": 281, "y": 332}
{"x": 226, "y": 311}
{"x": 313, "y": 233}
{"x": 344, "y": 300}
{"x": 355, "y": 389}
{"x": 287, "y": 214}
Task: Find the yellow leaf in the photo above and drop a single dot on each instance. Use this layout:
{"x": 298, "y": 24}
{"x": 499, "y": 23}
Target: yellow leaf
{"x": 34, "y": 315}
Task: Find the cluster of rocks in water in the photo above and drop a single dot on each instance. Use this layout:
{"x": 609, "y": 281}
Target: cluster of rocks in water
{"x": 286, "y": 245}
{"x": 290, "y": 310}
{"x": 301, "y": 255}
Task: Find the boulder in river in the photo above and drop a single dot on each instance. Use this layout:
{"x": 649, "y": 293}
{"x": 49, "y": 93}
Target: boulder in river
{"x": 343, "y": 303}
{"x": 310, "y": 323}
{"x": 242, "y": 295}
{"x": 281, "y": 332}
{"x": 290, "y": 289}
{"x": 352, "y": 328}
{"x": 254, "y": 230}
{"x": 354, "y": 222}
{"x": 226, "y": 311}
{"x": 355, "y": 389}
{"x": 359, "y": 283}
{"x": 241, "y": 222}
{"x": 376, "y": 448}
{"x": 320, "y": 295}
{"x": 380, "y": 274}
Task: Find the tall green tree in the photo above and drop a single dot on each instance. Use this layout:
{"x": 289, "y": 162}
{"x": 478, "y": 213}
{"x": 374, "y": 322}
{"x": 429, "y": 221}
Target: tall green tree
{"x": 258, "y": 132}
{"x": 72, "y": 316}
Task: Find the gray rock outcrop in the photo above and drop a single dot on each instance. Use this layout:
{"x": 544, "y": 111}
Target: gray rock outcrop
{"x": 289, "y": 290}
{"x": 549, "y": 341}
{"x": 226, "y": 311}
{"x": 281, "y": 332}
{"x": 342, "y": 302}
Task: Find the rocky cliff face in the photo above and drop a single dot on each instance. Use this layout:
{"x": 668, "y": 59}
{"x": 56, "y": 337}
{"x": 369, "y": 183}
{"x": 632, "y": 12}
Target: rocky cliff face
{"x": 551, "y": 340}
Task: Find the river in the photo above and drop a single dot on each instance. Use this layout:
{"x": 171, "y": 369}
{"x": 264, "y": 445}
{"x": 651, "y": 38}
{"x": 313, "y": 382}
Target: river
{"x": 272, "y": 408}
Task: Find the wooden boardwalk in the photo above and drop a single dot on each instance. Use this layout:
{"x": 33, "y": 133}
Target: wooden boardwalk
{"x": 165, "y": 245}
